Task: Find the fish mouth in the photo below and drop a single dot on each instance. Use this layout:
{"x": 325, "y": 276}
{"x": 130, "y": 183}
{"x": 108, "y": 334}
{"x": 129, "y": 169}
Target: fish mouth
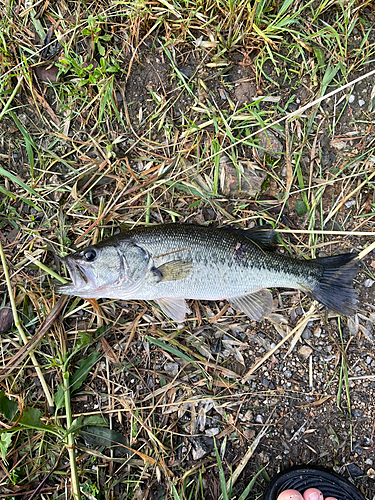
{"x": 82, "y": 278}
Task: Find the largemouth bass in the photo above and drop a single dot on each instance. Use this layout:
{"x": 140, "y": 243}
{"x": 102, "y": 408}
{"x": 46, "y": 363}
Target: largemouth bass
{"x": 172, "y": 262}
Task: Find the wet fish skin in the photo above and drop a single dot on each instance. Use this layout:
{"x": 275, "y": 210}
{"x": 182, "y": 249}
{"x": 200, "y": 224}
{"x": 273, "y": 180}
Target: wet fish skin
{"x": 173, "y": 262}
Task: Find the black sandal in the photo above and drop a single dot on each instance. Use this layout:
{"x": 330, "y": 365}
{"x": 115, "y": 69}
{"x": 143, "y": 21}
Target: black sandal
{"x": 301, "y": 478}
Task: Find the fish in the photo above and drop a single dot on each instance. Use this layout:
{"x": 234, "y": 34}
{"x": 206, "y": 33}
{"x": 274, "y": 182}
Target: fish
{"x": 170, "y": 263}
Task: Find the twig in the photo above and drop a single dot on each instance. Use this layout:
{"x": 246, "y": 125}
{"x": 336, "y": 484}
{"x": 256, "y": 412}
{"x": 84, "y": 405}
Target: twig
{"x": 301, "y": 324}
{"x": 288, "y": 160}
{"x": 323, "y": 231}
{"x": 35, "y": 340}
{"x": 347, "y": 197}
{"x": 76, "y": 494}
{"x": 20, "y": 330}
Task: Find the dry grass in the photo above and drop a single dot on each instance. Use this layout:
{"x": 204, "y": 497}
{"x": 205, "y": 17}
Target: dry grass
{"x": 153, "y": 110}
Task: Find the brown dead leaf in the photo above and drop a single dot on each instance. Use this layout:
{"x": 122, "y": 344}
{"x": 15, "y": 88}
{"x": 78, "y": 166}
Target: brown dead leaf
{"x": 44, "y": 103}
{"x": 315, "y": 403}
{"x": 47, "y": 74}
{"x": 6, "y": 319}
{"x": 109, "y": 352}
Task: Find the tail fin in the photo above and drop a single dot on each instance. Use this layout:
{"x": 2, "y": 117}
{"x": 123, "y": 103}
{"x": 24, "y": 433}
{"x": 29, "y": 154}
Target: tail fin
{"x": 335, "y": 287}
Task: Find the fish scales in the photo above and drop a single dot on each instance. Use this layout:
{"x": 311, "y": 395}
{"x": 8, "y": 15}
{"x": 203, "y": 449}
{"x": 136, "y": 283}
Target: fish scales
{"x": 225, "y": 263}
{"x": 173, "y": 262}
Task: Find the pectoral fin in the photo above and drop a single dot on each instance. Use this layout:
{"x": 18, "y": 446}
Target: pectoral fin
{"x": 174, "y": 270}
{"x": 175, "y": 309}
{"x": 257, "y": 306}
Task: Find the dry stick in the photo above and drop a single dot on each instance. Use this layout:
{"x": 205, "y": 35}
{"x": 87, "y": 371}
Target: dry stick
{"x": 365, "y": 251}
{"x": 288, "y": 160}
{"x": 21, "y": 332}
{"x": 35, "y": 340}
{"x": 346, "y": 198}
{"x": 323, "y": 231}
{"x": 134, "y": 326}
{"x": 300, "y": 325}
{"x": 313, "y": 159}
{"x": 247, "y": 456}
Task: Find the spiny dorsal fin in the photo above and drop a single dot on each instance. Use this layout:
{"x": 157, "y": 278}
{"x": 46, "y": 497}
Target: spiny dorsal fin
{"x": 267, "y": 239}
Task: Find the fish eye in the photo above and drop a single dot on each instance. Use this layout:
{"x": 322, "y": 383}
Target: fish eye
{"x": 90, "y": 254}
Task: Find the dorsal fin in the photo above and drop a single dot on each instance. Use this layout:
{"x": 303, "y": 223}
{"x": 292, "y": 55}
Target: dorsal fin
{"x": 265, "y": 238}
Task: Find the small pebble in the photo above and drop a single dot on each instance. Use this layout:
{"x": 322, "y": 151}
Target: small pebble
{"x": 307, "y": 334}
{"x": 264, "y": 382}
{"x": 305, "y": 352}
{"x": 248, "y": 415}
{"x": 212, "y": 432}
{"x": 354, "y": 470}
{"x": 250, "y": 434}
{"x": 357, "y": 413}
{"x": 172, "y": 368}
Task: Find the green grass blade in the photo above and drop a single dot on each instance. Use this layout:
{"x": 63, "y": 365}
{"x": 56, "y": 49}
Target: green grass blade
{"x": 244, "y": 495}
{"x": 18, "y": 181}
{"x": 170, "y": 349}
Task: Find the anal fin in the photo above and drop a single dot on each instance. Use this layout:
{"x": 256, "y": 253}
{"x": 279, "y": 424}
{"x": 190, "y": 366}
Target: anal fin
{"x": 174, "y": 308}
{"x": 256, "y": 306}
